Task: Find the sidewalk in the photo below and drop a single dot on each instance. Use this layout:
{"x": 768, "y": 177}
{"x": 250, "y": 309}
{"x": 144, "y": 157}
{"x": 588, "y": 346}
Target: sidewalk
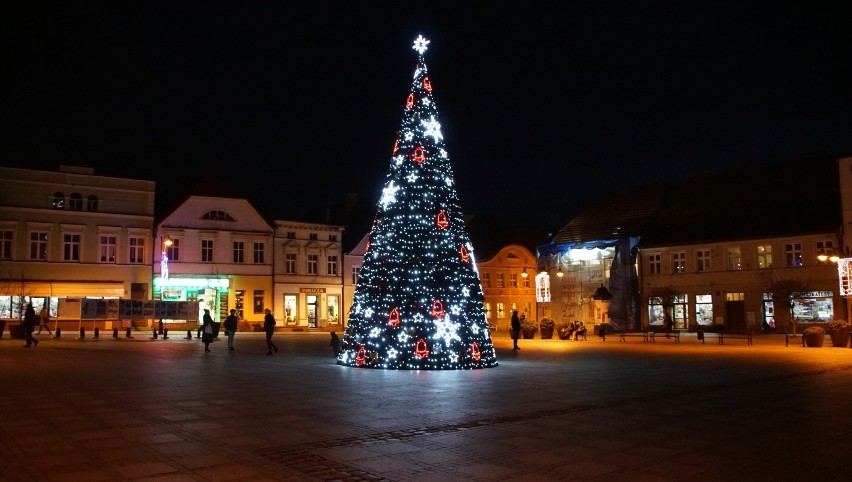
{"x": 555, "y": 410}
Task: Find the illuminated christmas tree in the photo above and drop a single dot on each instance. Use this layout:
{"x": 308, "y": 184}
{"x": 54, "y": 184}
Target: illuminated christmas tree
{"x": 418, "y": 301}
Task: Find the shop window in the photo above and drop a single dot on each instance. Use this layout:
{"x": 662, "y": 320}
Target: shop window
{"x": 655, "y": 310}
{"x": 704, "y": 310}
{"x": 679, "y": 262}
{"x": 92, "y": 203}
{"x": 239, "y": 251}
{"x": 6, "y": 244}
{"x": 764, "y": 256}
{"x": 38, "y": 246}
{"x": 258, "y": 301}
{"x": 290, "y": 308}
{"x": 487, "y": 308}
{"x": 333, "y": 309}
{"x": 793, "y": 254}
{"x": 501, "y": 312}
{"x": 239, "y": 302}
{"x": 75, "y": 201}
{"x": 655, "y": 265}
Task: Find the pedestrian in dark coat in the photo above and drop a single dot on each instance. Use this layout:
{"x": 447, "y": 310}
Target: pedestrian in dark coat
{"x": 29, "y": 324}
{"x": 231, "y": 323}
{"x": 207, "y": 330}
{"x": 335, "y": 343}
{"x": 516, "y": 329}
{"x": 269, "y": 328}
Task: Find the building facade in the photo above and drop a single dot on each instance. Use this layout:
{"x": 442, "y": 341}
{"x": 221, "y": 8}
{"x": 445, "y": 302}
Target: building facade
{"x": 72, "y": 234}
{"x": 509, "y": 283}
{"x": 308, "y": 275}
{"x": 216, "y": 252}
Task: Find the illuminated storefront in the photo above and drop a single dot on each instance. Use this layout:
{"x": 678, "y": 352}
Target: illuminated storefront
{"x": 814, "y": 307}
{"x": 210, "y": 293}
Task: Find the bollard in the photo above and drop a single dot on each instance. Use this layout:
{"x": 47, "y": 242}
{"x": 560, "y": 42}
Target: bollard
{"x": 82, "y": 333}
{"x": 127, "y": 334}
{"x": 155, "y": 335}
{"x": 58, "y": 332}
{"x": 97, "y": 332}
{"x": 188, "y": 334}
{"x": 115, "y": 332}
{"x": 165, "y": 333}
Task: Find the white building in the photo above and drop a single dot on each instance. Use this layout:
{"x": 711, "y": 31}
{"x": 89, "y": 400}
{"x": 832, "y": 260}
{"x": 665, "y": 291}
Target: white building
{"x": 219, "y": 255}
{"x": 72, "y": 234}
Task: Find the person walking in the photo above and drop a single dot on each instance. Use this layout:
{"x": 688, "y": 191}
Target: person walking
{"x": 29, "y": 325}
{"x": 43, "y": 320}
{"x": 516, "y": 329}
{"x": 207, "y": 330}
{"x": 269, "y": 328}
{"x": 335, "y": 343}
{"x": 231, "y": 323}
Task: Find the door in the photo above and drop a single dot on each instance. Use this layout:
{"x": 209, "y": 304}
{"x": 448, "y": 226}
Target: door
{"x": 735, "y": 314}
{"x": 312, "y": 311}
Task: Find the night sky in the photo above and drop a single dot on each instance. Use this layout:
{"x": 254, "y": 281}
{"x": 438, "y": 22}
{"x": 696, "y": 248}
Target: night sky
{"x": 543, "y": 109}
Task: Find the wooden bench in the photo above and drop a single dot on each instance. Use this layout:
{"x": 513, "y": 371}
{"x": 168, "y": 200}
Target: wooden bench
{"x": 646, "y": 335}
{"x": 722, "y": 335}
{"x": 671, "y": 335}
{"x": 788, "y": 336}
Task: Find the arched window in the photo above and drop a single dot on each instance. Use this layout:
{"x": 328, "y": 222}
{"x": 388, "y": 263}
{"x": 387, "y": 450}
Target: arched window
{"x": 58, "y": 201}
{"x": 217, "y": 215}
{"x": 75, "y": 202}
{"x": 92, "y": 204}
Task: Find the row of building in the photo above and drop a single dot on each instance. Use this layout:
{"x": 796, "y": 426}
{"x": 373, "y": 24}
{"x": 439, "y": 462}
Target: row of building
{"x": 706, "y": 251}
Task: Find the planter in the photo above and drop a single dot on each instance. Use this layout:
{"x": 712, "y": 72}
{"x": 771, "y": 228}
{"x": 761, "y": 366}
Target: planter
{"x": 839, "y": 336}
{"x": 814, "y": 340}
{"x": 528, "y": 334}
{"x": 546, "y": 333}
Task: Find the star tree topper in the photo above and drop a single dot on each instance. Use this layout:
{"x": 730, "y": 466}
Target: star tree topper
{"x": 420, "y": 44}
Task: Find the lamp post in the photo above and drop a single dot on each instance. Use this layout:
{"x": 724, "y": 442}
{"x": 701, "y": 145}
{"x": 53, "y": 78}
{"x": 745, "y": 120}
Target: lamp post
{"x": 164, "y": 259}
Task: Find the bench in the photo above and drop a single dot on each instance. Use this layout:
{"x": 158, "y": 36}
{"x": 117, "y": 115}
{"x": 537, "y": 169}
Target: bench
{"x": 788, "y": 336}
{"x": 646, "y": 335}
{"x": 722, "y": 335}
{"x": 672, "y": 335}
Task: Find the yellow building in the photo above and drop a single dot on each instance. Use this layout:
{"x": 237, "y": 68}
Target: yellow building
{"x": 508, "y": 282}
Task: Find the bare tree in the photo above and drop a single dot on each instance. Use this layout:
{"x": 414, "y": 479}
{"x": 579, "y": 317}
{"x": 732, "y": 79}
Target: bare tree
{"x": 666, "y": 295}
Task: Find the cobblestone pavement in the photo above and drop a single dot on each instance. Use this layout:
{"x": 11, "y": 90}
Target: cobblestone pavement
{"x": 142, "y": 409}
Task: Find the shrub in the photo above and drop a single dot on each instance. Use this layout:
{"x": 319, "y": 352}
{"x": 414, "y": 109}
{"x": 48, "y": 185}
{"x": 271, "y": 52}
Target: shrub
{"x": 814, "y": 330}
{"x": 837, "y": 324}
{"x": 528, "y": 324}
{"x": 547, "y": 323}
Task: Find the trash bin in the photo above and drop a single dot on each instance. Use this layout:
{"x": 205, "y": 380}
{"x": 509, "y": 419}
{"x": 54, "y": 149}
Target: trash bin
{"x": 700, "y": 333}
{"x": 16, "y": 331}
{"x": 216, "y": 327}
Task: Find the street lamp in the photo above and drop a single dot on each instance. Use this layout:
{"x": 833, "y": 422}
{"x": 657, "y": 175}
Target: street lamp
{"x": 164, "y": 259}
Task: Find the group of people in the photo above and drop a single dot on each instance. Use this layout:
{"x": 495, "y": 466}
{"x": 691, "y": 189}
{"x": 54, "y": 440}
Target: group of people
{"x": 573, "y": 331}
{"x": 231, "y": 324}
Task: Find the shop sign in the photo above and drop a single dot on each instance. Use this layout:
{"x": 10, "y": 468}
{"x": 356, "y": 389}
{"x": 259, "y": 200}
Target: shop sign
{"x": 196, "y": 283}
{"x": 312, "y": 290}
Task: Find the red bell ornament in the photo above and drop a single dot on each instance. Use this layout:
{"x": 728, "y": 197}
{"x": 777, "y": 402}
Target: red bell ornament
{"x": 475, "y": 352}
{"x": 464, "y": 256}
{"x": 421, "y": 349}
{"x": 361, "y": 357}
{"x": 393, "y": 318}
{"x": 438, "y": 309}
{"x": 409, "y": 103}
{"x": 419, "y": 156}
{"x": 427, "y": 85}
{"x": 441, "y": 220}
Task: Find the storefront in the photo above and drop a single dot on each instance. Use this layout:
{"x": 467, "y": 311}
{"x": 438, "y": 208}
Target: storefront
{"x": 814, "y": 307}
{"x": 210, "y": 293}
{"x": 310, "y": 307}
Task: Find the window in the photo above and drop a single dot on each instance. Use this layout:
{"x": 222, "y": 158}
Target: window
{"x": 486, "y": 279}
{"x": 764, "y": 256}
{"x": 734, "y": 297}
{"x": 6, "y": 244}
{"x": 58, "y": 201}
{"x": 501, "y": 282}
{"x": 702, "y": 260}
{"x": 332, "y": 237}
{"x": 258, "y": 301}
{"x": 217, "y": 215}
{"x": 173, "y": 251}
{"x": 259, "y": 250}
{"x": 38, "y": 246}
{"x": 239, "y": 252}
{"x": 239, "y": 302}
{"x": 313, "y": 261}
{"x": 75, "y": 202}
{"x": 501, "y": 313}
{"x": 107, "y": 248}
{"x": 513, "y": 280}
{"x": 525, "y": 282}
{"x": 734, "y": 259}
{"x": 137, "y": 250}
{"x": 92, "y": 204}
{"x": 356, "y": 270}
{"x": 825, "y": 247}
{"x": 793, "y": 254}
{"x": 679, "y": 262}
{"x": 487, "y": 307}
{"x": 290, "y": 263}
{"x": 70, "y": 247}
{"x": 654, "y": 264}
{"x": 206, "y": 250}
{"x": 291, "y": 235}
{"x": 332, "y": 265}
{"x": 312, "y": 236}
{"x": 704, "y": 310}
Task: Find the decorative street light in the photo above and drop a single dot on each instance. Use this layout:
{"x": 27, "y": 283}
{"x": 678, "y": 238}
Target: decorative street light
{"x": 164, "y": 259}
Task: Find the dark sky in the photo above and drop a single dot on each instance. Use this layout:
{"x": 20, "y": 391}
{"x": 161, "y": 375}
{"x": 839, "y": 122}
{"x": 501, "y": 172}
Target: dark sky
{"x": 542, "y": 109}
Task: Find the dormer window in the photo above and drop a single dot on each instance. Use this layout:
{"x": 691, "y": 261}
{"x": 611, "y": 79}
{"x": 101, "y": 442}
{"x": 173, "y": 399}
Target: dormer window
{"x": 75, "y": 202}
{"x": 217, "y": 215}
{"x": 58, "y": 201}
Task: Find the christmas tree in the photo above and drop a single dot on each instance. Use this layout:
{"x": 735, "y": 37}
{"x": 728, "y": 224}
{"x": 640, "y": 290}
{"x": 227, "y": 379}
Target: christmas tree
{"x": 418, "y": 301}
